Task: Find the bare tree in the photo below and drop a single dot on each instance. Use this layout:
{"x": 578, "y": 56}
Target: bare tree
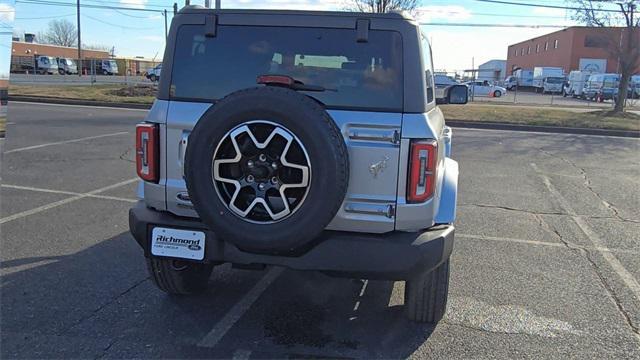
{"x": 381, "y": 6}
{"x": 624, "y": 45}
{"x": 60, "y": 32}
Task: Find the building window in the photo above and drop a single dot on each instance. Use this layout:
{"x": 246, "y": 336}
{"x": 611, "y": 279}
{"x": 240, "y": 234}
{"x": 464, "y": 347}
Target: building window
{"x": 528, "y": 50}
{"x": 516, "y": 52}
{"x": 537, "y": 48}
{"x": 546, "y": 45}
{"x": 555, "y": 43}
{"x": 522, "y": 52}
{"x": 595, "y": 41}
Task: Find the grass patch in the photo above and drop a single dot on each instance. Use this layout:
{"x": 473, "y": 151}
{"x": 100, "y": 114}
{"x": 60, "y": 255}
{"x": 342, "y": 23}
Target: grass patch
{"x": 598, "y": 119}
{"x": 107, "y": 93}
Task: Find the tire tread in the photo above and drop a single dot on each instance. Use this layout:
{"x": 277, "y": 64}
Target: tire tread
{"x": 426, "y": 295}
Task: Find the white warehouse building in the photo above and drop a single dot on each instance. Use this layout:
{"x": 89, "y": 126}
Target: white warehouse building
{"x": 492, "y": 70}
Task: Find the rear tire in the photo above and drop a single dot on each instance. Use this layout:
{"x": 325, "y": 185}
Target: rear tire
{"x": 153, "y": 78}
{"x": 425, "y": 295}
{"x": 179, "y": 277}
{"x": 497, "y": 93}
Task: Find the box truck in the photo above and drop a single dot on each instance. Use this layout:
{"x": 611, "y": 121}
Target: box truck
{"x": 576, "y": 81}
{"x": 548, "y": 79}
{"x": 520, "y": 78}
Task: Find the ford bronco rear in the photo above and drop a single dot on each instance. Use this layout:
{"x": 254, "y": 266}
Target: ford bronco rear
{"x": 310, "y": 140}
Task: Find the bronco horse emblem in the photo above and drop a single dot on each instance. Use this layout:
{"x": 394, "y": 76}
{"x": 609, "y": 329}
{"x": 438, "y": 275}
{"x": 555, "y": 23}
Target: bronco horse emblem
{"x": 378, "y": 167}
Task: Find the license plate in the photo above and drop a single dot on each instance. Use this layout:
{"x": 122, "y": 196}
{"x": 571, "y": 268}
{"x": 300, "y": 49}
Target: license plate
{"x": 185, "y": 244}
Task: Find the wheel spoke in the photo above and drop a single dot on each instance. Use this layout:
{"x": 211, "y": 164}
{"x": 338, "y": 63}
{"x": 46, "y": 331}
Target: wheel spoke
{"x": 260, "y": 197}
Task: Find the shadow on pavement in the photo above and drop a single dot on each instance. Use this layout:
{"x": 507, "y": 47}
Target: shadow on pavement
{"x": 100, "y": 301}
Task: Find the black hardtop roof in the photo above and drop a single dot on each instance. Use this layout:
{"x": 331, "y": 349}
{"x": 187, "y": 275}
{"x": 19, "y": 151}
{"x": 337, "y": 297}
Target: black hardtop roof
{"x": 399, "y": 15}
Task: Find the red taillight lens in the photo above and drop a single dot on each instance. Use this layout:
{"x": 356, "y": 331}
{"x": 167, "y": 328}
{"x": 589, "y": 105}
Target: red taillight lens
{"x": 147, "y": 152}
{"x": 422, "y": 170}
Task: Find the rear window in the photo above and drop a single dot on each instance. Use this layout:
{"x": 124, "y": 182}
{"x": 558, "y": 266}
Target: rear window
{"x": 357, "y": 75}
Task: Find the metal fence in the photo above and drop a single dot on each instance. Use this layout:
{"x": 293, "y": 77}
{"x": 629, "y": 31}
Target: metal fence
{"x": 528, "y": 97}
{"x": 31, "y": 70}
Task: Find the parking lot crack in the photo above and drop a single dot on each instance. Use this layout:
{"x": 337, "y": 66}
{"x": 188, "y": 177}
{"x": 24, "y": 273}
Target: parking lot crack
{"x": 612, "y": 294}
{"x": 124, "y": 156}
{"x": 587, "y": 254}
{"x": 104, "y": 305}
{"x": 589, "y": 186}
{"x": 508, "y": 208}
{"x": 106, "y": 349}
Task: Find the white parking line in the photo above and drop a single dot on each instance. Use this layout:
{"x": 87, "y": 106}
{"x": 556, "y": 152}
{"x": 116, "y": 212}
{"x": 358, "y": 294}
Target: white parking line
{"x": 544, "y": 243}
{"x": 62, "y": 192}
{"x": 63, "y": 201}
{"x": 65, "y": 142}
{"x": 628, "y": 278}
{"x": 226, "y": 323}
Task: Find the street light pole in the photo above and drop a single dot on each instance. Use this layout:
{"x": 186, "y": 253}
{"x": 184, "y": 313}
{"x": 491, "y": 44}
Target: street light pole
{"x": 79, "y": 40}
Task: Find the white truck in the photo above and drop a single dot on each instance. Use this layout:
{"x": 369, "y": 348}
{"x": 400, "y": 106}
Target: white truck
{"x": 520, "y": 78}
{"x": 548, "y": 79}
{"x": 576, "y": 81}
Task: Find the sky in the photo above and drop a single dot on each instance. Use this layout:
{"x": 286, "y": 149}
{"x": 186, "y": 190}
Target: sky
{"x": 6, "y": 22}
{"x": 141, "y": 33}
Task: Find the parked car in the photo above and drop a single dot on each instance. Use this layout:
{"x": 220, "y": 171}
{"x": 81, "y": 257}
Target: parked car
{"x": 601, "y": 87}
{"x": 318, "y": 125}
{"x": 442, "y": 81}
{"x": 485, "y": 88}
{"x": 154, "y": 74}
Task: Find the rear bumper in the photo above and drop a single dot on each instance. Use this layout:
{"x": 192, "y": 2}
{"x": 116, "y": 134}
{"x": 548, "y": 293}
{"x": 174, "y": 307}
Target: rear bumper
{"x": 391, "y": 256}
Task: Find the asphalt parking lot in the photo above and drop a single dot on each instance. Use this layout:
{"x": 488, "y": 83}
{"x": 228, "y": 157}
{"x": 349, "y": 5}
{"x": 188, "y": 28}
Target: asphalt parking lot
{"x": 546, "y": 261}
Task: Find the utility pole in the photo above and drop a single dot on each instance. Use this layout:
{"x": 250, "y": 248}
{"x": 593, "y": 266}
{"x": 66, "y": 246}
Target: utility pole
{"x": 79, "y": 40}
{"x": 175, "y": 9}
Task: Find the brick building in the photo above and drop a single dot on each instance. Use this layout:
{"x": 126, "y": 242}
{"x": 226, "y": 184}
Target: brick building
{"x": 20, "y": 48}
{"x": 573, "y": 48}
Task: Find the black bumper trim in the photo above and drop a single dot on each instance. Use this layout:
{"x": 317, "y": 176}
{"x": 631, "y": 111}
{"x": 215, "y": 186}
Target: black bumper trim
{"x": 392, "y": 256}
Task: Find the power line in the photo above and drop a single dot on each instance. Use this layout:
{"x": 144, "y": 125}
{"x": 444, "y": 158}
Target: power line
{"x": 90, "y": 6}
{"x": 545, "y": 6}
{"x": 120, "y": 26}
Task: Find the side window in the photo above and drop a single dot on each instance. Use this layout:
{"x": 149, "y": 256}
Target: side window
{"x": 428, "y": 67}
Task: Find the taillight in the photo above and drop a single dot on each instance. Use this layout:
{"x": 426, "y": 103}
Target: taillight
{"x": 422, "y": 170}
{"x": 147, "y": 152}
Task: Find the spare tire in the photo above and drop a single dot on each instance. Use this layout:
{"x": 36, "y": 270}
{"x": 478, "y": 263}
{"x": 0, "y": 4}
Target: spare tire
{"x": 267, "y": 169}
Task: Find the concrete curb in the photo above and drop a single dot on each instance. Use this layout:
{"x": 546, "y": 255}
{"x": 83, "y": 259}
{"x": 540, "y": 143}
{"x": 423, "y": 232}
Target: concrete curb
{"x": 537, "y": 128}
{"x": 452, "y": 123}
{"x": 62, "y": 101}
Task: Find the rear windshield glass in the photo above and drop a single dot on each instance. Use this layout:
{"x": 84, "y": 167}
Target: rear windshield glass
{"x": 356, "y": 75}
